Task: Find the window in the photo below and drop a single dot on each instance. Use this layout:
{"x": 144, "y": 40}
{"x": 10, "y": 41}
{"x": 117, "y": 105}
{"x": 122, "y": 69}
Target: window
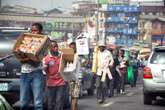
{"x": 158, "y": 57}
{"x": 7, "y": 41}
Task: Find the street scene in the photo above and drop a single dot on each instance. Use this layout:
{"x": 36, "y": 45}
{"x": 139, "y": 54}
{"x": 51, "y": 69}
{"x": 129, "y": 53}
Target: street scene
{"x": 131, "y": 101}
{"x": 82, "y": 54}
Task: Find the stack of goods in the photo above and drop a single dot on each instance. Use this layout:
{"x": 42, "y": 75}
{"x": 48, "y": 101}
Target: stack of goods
{"x": 31, "y": 46}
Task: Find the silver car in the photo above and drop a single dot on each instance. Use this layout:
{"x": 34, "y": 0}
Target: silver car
{"x": 154, "y": 75}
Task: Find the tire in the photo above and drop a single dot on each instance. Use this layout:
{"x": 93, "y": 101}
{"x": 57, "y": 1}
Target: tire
{"x": 147, "y": 99}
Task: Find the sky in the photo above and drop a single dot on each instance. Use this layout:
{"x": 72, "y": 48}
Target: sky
{"x": 46, "y": 4}
{"x": 40, "y": 4}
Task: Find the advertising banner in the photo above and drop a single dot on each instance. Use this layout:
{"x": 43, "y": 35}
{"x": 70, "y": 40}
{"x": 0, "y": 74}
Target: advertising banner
{"x": 103, "y": 1}
{"x": 82, "y": 46}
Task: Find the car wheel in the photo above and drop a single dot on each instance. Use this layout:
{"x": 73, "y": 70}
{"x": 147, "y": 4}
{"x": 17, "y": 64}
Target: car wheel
{"x": 147, "y": 98}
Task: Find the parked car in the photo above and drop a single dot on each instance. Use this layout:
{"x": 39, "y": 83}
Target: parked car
{"x": 154, "y": 76}
{"x": 10, "y": 68}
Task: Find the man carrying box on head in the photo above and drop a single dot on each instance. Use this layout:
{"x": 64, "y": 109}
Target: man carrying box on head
{"x": 32, "y": 78}
{"x": 55, "y": 83}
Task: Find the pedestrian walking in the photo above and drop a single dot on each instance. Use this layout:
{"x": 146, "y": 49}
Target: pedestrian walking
{"x": 74, "y": 85}
{"x": 122, "y": 70}
{"x": 115, "y": 84}
{"x": 135, "y": 64}
{"x": 54, "y": 81}
{"x": 32, "y": 79}
{"x": 117, "y": 76}
{"x": 105, "y": 60}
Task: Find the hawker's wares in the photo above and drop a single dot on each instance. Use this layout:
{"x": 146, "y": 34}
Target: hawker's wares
{"x": 31, "y": 46}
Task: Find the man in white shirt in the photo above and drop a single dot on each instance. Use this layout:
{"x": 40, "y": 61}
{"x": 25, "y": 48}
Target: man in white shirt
{"x": 32, "y": 79}
{"x": 105, "y": 60}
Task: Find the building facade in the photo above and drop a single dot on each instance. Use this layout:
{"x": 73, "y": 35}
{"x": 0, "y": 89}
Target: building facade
{"x": 53, "y": 21}
{"x": 120, "y": 23}
{"x": 151, "y": 24}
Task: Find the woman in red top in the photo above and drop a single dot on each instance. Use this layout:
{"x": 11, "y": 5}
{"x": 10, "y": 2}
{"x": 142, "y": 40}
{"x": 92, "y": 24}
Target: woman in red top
{"x": 55, "y": 82}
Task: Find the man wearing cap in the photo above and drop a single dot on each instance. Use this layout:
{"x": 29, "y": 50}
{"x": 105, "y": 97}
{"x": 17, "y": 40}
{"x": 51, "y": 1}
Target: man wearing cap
{"x": 105, "y": 60}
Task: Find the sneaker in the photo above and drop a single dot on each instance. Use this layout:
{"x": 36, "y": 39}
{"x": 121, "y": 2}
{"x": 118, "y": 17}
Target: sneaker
{"x": 123, "y": 93}
{"x": 100, "y": 101}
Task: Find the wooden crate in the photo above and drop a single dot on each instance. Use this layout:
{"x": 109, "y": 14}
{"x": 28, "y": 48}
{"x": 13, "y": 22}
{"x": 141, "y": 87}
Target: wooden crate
{"x": 35, "y": 47}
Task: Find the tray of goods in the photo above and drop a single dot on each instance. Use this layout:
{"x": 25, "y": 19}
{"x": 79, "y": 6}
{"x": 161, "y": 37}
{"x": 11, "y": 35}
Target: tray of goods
{"x": 31, "y": 46}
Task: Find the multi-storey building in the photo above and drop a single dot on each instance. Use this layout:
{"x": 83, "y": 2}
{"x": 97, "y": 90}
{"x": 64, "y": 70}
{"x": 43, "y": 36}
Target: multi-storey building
{"x": 123, "y": 22}
{"x": 84, "y": 7}
{"x": 120, "y": 23}
{"x": 54, "y": 21}
{"x": 152, "y": 22}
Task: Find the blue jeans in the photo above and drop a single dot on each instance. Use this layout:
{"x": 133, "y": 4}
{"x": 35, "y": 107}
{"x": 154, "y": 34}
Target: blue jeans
{"x": 34, "y": 82}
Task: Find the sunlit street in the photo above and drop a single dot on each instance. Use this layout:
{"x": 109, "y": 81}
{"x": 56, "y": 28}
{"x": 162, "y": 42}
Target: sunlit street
{"x": 82, "y": 54}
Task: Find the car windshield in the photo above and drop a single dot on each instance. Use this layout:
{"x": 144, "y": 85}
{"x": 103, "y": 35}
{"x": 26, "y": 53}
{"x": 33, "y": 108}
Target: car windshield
{"x": 7, "y": 40}
{"x": 158, "y": 57}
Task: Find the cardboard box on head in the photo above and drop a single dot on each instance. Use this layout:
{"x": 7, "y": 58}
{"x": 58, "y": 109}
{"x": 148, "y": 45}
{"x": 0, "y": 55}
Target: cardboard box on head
{"x": 67, "y": 54}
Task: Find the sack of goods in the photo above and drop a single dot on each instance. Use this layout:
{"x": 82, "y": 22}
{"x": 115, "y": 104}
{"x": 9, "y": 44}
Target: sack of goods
{"x": 31, "y": 46}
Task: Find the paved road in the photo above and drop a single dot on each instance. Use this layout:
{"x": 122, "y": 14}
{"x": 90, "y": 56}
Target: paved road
{"x": 133, "y": 100}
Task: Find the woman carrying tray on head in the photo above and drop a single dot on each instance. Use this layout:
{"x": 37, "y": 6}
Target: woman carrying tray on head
{"x": 32, "y": 78}
{"x": 72, "y": 77}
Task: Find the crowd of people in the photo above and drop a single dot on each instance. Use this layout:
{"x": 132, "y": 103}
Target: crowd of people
{"x": 121, "y": 68}
{"x": 111, "y": 73}
{"x": 33, "y": 79}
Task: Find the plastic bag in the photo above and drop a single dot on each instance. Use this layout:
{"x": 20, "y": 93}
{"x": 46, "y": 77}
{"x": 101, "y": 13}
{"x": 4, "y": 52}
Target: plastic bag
{"x": 130, "y": 74}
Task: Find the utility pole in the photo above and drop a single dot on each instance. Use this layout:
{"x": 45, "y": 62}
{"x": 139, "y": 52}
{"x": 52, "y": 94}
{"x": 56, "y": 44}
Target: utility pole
{"x": 97, "y": 22}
